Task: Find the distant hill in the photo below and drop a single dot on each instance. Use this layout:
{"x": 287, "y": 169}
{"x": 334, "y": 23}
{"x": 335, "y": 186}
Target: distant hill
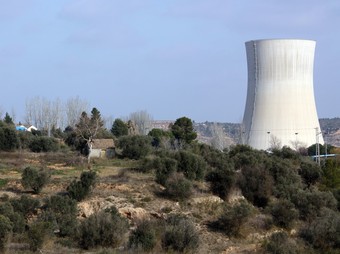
{"x": 331, "y": 130}
{"x": 329, "y": 126}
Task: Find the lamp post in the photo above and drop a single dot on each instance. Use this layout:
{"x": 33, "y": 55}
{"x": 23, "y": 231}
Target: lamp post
{"x": 317, "y": 133}
{"x": 326, "y": 152}
{"x": 268, "y": 132}
{"x": 296, "y": 141}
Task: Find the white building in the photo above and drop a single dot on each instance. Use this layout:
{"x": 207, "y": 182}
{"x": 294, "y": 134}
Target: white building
{"x": 280, "y": 106}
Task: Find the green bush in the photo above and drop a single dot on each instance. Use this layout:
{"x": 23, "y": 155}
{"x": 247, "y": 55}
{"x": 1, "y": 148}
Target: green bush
{"x": 256, "y": 184}
{"x": 135, "y": 147}
{"x": 25, "y": 138}
{"x": 280, "y": 243}
{"x": 34, "y": 179}
{"x": 331, "y": 174}
{"x": 5, "y": 231}
{"x": 324, "y": 231}
{"x": 232, "y": 218}
{"x": 310, "y": 172}
{"x": 25, "y": 205}
{"x": 119, "y": 128}
{"x": 145, "y": 236}
{"x": 283, "y": 212}
{"x": 62, "y": 212}
{"x": 286, "y": 178}
{"x": 17, "y": 219}
{"x": 37, "y": 233}
{"x": 164, "y": 168}
{"x": 160, "y": 137}
{"x": 178, "y": 187}
{"x": 8, "y": 138}
{"x": 183, "y": 130}
{"x": 43, "y": 144}
{"x": 221, "y": 180}
{"x": 286, "y": 153}
{"x": 191, "y": 165}
{"x": 78, "y": 190}
{"x": 180, "y": 234}
{"x": 106, "y": 229}
{"x": 245, "y": 156}
{"x": 310, "y": 201}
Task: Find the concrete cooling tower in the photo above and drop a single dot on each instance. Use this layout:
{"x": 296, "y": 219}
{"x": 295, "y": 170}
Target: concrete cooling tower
{"x": 280, "y": 107}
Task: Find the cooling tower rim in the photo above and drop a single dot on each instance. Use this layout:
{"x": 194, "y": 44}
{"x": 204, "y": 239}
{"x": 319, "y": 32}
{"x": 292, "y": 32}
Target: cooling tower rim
{"x": 283, "y": 39}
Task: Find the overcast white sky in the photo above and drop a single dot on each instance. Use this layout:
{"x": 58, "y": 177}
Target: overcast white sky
{"x": 172, "y": 58}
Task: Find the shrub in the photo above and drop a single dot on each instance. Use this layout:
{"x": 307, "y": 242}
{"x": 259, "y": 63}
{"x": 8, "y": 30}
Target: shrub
{"x": 232, "y": 218}
{"x": 221, "y": 180}
{"x": 106, "y": 229}
{"x": 8, "y": 138}
{"x": 256, "y": 185}
{"x": 309, "y": 202}
{"x": 324, "y": 231}
{"x": 244, "y": 155}
{"x": 62, "y": 211}
{"x": 310, "y": 172}
{"x": 183, "y": 130}
{"x": 43, "y": 144}
{"x": 286, "y": 153}
{"x": 25, "y": 138}
{"x": 280, "y": 243}
{"x": 193, "y": 166}
{"x": 180, "y": 234}
{"x": 37, "y": 234}
{"x": 119, "y": 128}
{"x": 178, "y": 187}
{"x": 135, "y": 147}
{"x": 5, "y": 231}
{"x": 164, "y": 168}
{"x": 286, "y": 178}
{"x": 78, "y": 190}
{"x": 159, "y": 137}
{"x": 144, "y": 237}
{"x": 331, "y": 174}
{"x": 25, "y": 205}
{"x": 283, "y": 212}
{"x": 17, "y": 219}
{"x": 34, "y": 179}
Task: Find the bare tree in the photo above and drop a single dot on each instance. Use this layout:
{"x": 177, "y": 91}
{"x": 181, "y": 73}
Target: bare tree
{"x": 142, "y": 120}
{"x": 44, "y": 114}
{"x": 13, "y": 115}
{"x": 88, "y": 128}
{"x": 218, "y": 137}
{"x": 1, "y": 111}
{"x": 34, "y": 112}
{"x": 275, "y": 142}
{"x": 73, "y": 109}
{"x": 108, "y": 121}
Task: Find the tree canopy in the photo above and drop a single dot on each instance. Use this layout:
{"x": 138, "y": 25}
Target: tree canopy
{"x": 183, "y": 130}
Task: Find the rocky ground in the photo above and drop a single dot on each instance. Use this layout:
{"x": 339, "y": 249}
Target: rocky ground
{"x": 137, "y": 196}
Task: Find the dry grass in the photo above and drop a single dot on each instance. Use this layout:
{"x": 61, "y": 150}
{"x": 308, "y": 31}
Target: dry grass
{"x": 118, "y": 178}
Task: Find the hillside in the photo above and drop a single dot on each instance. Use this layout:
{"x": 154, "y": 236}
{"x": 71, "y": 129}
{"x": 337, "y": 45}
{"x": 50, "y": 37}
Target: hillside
{"x": 228, "y": 225}
{"x": 329, "y": 126}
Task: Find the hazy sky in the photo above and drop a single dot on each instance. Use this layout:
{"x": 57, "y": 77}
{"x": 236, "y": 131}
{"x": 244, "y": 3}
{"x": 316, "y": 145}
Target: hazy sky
{"x": 171, "y": 58}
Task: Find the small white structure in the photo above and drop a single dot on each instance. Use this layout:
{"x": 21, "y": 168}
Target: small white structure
{"x": 32, "y": 128}
{"x": 102, "y": 148}
{"x": 280, "y": 108}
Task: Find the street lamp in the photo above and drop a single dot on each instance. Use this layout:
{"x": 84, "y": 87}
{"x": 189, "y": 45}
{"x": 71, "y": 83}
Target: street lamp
{"x": 296, "y": 141}
{"x": 317, "y": 133}
{"x": 268, "y": 132}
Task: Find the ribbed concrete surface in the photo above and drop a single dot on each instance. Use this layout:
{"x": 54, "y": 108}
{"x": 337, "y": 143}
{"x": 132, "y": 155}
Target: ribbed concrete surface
{"x": 280, "y": 106}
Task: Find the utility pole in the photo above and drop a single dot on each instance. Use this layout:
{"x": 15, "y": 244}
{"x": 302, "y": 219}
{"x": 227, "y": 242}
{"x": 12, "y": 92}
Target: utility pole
{"x": 317, "y": 133}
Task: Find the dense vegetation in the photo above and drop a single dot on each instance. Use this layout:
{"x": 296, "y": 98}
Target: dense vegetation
{"x": 280, "y": 191}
